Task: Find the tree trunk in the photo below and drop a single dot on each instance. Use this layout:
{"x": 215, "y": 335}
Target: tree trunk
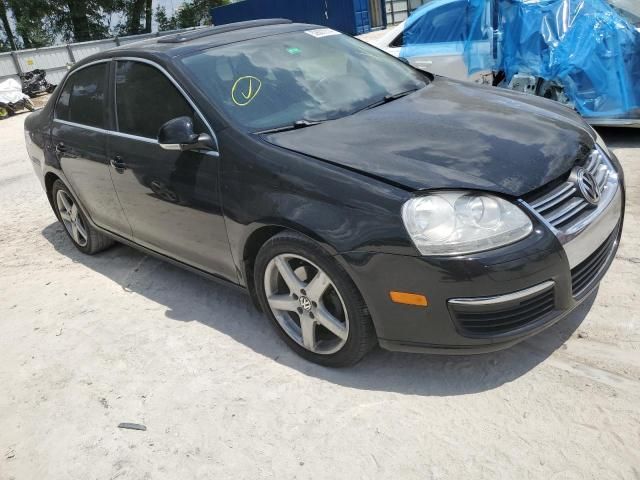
{"x": 79, "y": 22}
{"x": 133, "y": 22}
{"x": 148, "y": 16}
{"x": 6, "y": 25}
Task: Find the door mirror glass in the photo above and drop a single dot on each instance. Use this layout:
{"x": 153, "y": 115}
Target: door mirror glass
{"x": 178, "y": 134}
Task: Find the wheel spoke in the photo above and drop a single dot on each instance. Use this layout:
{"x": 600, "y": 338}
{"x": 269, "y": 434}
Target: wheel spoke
{"x": 318, "y": 286}
{"x": 331, "y": 323}
{"x": 68, "y": 206}
{"x": 308, "y": 327}
{"x": 283, "y": 302}
{"x": 289, "y": 276}
{"x": 65, "y": 216}
{"x": 74, "y": 232}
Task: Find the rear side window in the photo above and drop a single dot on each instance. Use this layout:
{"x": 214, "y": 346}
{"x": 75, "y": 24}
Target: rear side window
{"x": 146, "y": 99}
{"x": 83, "y": 97}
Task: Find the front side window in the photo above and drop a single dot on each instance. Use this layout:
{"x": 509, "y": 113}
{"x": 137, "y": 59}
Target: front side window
{"x": 82, "y": 99}
{"x": 146, "y": 99}
{"x": 444, "y": 24}
{"x": 313, "y": 75}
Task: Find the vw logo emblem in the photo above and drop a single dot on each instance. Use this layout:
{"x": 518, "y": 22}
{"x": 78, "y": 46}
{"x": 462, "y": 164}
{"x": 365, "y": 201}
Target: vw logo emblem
{"x": 588, "y": 186}
{"x": 305, "y": 303}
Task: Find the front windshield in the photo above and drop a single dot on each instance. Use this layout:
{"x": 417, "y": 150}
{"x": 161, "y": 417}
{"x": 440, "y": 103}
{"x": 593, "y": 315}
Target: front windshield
{"x": 312, "y": 75}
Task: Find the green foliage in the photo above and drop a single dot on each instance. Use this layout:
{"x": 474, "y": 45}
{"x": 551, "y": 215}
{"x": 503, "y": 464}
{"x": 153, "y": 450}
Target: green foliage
{"x": 33, "y": 23}
{"x": 38, "y": 23}
{"x": 164, "y": 22}
{"x": 4, "y": 45}
{"x": 191, "y": 13}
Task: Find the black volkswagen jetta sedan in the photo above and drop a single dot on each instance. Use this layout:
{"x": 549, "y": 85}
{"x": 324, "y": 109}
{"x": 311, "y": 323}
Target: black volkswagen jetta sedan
{"x": 359, "y": 201}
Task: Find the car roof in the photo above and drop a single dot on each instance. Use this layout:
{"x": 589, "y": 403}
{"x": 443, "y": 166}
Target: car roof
{"x": 181, "y": 44}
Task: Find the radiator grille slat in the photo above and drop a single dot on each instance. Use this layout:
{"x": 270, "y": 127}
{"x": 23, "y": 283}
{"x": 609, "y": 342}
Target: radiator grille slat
{"x": 496, "y": 319}
{"x": 584, "y": 274}
{"x": 564, "y": 206}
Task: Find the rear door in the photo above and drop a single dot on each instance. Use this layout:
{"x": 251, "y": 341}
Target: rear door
{"x": 171, "y": 198}
{"x": 79, "y": 135}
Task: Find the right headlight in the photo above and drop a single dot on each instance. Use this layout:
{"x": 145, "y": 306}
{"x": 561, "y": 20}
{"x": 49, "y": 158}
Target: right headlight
{"x": 455, "y": 223}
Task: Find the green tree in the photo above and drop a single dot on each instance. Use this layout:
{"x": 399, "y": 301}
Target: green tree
{"x": 6, "y": 27}
{"x": 133, "y": 10}
{"x": 33, "y": 23}
{"x": 82, "y": 20}
{"x": 41, "y": 22}
{"x": 164, "y": 22}
{"x": 191, "y": 13}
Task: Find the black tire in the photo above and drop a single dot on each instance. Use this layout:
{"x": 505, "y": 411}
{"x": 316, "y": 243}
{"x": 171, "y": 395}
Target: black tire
{"x": 28, "y": 104}
{"x": 96, "y": 241}
{"x": 361, "y": 336}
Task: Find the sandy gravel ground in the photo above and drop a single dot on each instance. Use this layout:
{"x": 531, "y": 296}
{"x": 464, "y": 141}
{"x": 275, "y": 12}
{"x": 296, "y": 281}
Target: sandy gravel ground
{"x": 89, "y": 342}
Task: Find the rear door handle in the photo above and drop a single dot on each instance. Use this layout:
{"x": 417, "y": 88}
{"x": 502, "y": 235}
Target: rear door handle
{"x": 118, "y": 164}
{"x": 60, "y": 148}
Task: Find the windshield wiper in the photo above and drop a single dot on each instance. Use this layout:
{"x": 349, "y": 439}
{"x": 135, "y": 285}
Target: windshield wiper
{"x": 294, "y": 126}
{"x": 387, "y": 99}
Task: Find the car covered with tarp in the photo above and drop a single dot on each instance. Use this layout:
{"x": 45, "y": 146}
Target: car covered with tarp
{"x": 583, "y": 53}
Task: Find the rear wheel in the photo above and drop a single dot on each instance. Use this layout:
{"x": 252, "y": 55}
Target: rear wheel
{"x": 312, "y": 302}
{"x": 87, "y": 239}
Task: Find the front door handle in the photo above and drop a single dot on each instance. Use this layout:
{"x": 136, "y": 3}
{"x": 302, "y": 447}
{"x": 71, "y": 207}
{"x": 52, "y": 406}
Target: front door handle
{"x": 60, "y": 147}
{"x": 118, "y": 164}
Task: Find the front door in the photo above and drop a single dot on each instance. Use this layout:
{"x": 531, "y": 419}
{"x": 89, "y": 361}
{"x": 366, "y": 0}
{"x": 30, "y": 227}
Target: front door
{"x": 80, "y": 142}
{"x": 171, "y": 198}
{"x": 437, "y": 38}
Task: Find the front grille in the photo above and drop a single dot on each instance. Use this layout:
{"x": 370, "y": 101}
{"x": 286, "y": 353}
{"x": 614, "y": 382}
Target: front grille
{"x": 563, "y": 206}
{"x": 482, "y": 320}
{"x": 587, "y": 272}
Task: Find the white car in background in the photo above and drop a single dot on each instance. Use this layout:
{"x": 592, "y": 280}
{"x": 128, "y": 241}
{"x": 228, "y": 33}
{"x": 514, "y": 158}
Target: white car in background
{"x": 444, "y": 51}
{"x": 445, "y": 54}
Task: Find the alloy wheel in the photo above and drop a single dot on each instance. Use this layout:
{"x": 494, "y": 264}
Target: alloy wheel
{"x": 71, "y": 218}
{"x": 306, "y": 303}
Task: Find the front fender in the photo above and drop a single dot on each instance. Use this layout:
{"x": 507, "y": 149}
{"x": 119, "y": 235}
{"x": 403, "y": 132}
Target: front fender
{"x": 342, "y": 210}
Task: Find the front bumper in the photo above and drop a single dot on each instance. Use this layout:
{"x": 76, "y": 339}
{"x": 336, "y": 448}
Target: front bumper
{"x": 491, "y": 300}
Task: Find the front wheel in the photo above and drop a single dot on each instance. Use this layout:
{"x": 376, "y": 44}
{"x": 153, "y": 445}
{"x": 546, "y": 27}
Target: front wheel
{"x": 312, "y": 302}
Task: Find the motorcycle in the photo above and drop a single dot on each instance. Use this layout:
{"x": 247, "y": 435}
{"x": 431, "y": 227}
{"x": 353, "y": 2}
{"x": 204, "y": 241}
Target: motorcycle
{"x": 35, "y": 82}
{"x": 12, "y": 99}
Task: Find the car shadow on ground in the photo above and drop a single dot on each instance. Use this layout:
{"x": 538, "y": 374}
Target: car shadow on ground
{"x": 189, "y": 297}
{"x": 620, "y": 137}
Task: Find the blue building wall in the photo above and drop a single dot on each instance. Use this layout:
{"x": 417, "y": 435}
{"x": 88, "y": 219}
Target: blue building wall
{"x": 347, "y": 16}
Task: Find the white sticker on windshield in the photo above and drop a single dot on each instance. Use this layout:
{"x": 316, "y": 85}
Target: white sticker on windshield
{"x": 321, "y": 32}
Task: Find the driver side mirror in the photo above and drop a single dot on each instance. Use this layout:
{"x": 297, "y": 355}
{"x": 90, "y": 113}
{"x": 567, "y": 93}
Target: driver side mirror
{"x": 178, "y": 134}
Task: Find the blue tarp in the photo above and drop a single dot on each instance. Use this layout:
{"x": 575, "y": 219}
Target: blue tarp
{"x": 583, "y": 45}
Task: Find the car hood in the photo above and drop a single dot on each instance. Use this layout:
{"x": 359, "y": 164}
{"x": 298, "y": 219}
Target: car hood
{"x": 452, "y": 135}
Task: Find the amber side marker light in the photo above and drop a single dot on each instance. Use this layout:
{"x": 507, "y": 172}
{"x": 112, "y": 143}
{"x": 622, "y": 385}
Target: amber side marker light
{"x": 409, "y": 298}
